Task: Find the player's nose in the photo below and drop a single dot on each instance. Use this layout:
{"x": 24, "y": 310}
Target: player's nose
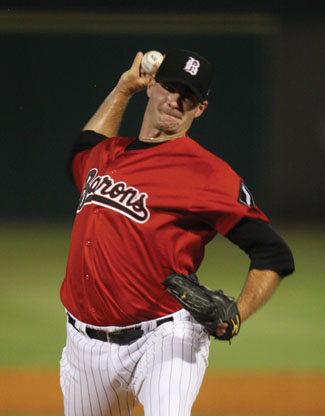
{"x": 175, "y": 100}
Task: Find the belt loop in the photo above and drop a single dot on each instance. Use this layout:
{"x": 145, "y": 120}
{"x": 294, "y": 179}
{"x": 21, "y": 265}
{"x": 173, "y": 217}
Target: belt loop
{"x": 79, "y": 326}
{"x": 152, "y": 325}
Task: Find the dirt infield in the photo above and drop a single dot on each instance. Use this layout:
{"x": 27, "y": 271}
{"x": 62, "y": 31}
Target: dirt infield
{"x": 227, "y": 393}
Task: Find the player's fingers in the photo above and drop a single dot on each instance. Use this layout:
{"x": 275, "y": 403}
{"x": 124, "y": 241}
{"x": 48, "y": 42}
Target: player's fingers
{"x": 222, "y": 328}
{"x": 132, "y": 80}
{"x": 137, "y": 68}
{"x": 137, "y": 59}
{"x": 136, "y": 64}
{"x": 145, "y": 78}
{"x": 134, "y": 69}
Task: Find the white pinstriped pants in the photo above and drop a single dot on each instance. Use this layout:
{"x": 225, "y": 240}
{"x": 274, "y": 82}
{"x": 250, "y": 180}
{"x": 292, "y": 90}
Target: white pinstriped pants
{"x": 163, "y": 370}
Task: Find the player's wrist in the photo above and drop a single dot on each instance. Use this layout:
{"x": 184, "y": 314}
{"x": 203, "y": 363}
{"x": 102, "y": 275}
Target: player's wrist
{"x": 131, "y": 83}
{"x": 122, "y": 92}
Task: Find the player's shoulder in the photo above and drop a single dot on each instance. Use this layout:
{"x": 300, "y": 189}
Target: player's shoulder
{"x": 116, "y": 140}
{"x": 112, "y": 145}
{"x": 211, "y": 161}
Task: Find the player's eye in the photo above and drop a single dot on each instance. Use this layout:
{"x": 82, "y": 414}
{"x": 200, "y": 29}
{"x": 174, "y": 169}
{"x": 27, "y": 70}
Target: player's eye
{"x": 169, "y": 88}
{"x": 188, "y": 97}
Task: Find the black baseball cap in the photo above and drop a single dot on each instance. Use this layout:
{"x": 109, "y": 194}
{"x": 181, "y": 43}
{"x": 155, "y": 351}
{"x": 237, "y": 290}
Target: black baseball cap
{"x": 188, "y": 68}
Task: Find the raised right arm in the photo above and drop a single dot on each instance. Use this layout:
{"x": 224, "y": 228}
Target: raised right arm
{"x": 107, "y": 118}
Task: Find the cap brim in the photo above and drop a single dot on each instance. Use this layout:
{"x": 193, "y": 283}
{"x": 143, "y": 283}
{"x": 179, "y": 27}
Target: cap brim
{"x": 197, "y": 93}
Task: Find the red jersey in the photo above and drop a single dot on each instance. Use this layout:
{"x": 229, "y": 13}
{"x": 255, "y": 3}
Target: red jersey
{"x": 141, "y": 215}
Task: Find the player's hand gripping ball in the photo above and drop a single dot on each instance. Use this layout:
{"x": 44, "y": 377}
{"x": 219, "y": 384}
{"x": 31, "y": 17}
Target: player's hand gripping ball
{"x": 151, "y": 61}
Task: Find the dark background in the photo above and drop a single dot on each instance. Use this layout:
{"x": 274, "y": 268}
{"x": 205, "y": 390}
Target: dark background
{"x": 266, "y": 109}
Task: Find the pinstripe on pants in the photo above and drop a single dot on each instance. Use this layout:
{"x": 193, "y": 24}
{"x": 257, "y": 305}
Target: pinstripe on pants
{"x": 163, "y": 370}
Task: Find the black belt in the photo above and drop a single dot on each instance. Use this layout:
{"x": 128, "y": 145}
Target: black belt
{"x": 122, "y": 336}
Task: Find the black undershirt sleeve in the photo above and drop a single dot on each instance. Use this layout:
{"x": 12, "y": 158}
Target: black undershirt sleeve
{"x": 87, "y": 139}
{"x": 266, "y": 249}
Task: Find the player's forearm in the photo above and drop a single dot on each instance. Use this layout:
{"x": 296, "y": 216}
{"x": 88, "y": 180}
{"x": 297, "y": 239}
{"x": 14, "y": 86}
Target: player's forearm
{"x": 259, "y": 287}
{"x": 107, "y": 118}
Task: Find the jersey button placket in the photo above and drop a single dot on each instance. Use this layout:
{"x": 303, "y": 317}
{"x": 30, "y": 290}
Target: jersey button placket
{"x": 88, "y": 252}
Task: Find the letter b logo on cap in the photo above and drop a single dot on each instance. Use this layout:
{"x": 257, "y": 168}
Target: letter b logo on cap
{"x": 192, "y": 66}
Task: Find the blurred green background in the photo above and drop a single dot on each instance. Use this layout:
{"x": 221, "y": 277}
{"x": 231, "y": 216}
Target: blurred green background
{"x": 287, "y": 333}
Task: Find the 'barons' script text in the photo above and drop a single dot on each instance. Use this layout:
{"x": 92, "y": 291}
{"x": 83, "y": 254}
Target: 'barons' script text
{"x": 102, "y": 190}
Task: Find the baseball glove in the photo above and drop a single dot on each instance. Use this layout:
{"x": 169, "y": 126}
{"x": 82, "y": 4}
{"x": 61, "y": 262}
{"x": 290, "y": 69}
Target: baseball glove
{"x": 208, "y": 307}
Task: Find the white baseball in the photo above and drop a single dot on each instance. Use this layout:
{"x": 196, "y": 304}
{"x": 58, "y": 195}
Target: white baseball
{"x": 151, "y": 61}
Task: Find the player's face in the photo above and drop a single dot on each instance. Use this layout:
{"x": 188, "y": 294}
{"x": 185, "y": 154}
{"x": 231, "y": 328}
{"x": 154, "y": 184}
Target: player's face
{"x": 172, "y": 107}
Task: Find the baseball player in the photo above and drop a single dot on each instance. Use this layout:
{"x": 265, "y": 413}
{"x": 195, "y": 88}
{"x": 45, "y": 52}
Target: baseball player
{"x": 148, "y": 206}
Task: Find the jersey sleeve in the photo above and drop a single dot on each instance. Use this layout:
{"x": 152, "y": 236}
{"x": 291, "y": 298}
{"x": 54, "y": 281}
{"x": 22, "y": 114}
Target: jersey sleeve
{"x": 99, "y": 152}
{"x": 86, "y": 140}
{"x": 78, "y": 167}
{"x": 225, "y": 199}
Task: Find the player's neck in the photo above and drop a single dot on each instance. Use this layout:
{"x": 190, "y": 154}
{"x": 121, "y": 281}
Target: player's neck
{"x": 155, "y": 136}
{"x": 157, "y": 139}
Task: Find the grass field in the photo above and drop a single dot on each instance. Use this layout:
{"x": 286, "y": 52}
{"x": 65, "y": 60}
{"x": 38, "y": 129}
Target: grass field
{"x": 287, "y": 334}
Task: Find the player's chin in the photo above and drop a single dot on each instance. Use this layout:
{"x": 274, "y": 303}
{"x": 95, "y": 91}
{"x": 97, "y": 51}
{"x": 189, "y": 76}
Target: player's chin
{"x": 171, "y": 124}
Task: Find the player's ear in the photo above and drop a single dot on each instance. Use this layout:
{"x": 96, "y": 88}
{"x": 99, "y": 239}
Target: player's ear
{"x": 150, "y": 86}
{"x": 200, "y": 108}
